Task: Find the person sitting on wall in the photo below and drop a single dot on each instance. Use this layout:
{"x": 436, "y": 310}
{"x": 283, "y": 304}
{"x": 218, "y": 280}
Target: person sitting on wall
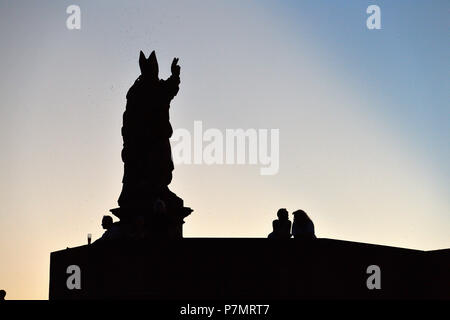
{"x": 276, "y": 229}
{"x": 281, "y": 226}
{"x": 303, "y": 227}
{"x": 2, "y": 295}
{"x": 112, "y": 229}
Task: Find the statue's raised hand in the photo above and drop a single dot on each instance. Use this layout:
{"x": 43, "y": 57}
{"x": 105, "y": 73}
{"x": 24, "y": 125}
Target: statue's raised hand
{"x": 175, "y": 68}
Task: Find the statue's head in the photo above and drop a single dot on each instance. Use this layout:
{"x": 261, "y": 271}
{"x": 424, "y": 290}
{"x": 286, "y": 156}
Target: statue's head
{"x": 149, "y": 67}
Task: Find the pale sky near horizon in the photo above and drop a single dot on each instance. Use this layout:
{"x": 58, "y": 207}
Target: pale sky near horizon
{"x": 363, "y": 117}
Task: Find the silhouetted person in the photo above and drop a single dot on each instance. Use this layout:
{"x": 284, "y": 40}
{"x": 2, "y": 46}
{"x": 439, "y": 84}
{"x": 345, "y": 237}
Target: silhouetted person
{"x": 2, "y": 295}
{"x": 107, "y": 222}
{"x": 285, "y": 223}
{"x": 303, "y": 227}
{"x": 275, "y": 230}
{"x": 112, "y": 230}
{"x": 281, "y": 226}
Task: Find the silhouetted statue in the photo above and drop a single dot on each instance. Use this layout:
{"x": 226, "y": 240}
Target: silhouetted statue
{"x": 281, "y": 226}
{"x": 140, "y": 231}
{"x": 303, "y": 227}
{"x": 2, "y": 295}
{"x": 146, "y": 150}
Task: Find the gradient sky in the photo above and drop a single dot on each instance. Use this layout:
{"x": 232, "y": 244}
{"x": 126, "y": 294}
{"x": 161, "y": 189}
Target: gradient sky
{"x": 363, "y": 118}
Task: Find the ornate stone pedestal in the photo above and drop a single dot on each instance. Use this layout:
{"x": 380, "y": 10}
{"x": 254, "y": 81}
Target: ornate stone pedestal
{"x": 147, "y": 224}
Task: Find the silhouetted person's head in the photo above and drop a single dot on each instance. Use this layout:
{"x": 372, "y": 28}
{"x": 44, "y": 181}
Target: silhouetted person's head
{"x": 283, "y": 214}
{"x": 303, "y": 227}
{"x": 107, "y": 222}
{"x": 149, "y": 67}
{"x": 2, "y": 294}
{"x": 300, "y": 216}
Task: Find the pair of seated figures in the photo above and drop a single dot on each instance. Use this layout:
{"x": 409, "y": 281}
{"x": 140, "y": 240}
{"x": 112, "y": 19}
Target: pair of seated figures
{"x": 302, "y": 227}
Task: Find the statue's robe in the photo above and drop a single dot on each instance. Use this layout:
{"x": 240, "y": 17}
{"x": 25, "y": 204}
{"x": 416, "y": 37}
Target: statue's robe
{"x": 146, "y": 150}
